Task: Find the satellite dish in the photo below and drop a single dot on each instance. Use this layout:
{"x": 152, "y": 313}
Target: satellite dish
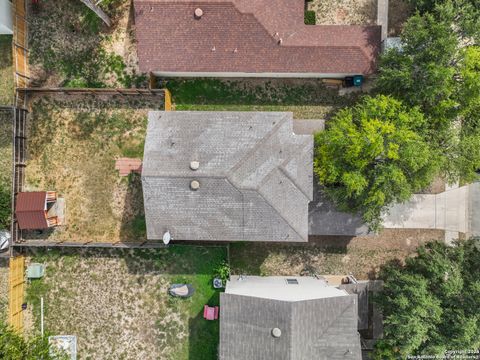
{"x": 167, "y": 237}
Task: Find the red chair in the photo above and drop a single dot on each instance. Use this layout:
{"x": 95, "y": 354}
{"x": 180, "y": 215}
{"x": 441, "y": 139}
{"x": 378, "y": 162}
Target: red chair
{"x": 210, "y": 312}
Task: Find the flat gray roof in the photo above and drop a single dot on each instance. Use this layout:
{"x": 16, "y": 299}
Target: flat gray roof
{"x": 255, "y": 176}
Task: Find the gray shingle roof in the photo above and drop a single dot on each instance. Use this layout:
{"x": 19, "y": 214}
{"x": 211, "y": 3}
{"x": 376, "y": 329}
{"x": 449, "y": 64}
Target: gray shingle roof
{"x": 317, "y": 329}
{"x": 255, "y": 176}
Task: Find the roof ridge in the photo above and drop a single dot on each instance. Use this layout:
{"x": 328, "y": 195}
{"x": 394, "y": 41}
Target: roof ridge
{"x": 276, "y": 210}
{"x": 347, "y": 306}
{"x": 255, "y": 17}
{"x": 254, "y": 149}
{"x": 284, "y": 170}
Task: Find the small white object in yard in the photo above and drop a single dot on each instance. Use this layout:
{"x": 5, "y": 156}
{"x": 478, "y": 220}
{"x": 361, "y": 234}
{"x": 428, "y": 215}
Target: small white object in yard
{"x": 65, "y": 344}
{"x": 167, "y": 237}
{"x": 4, "y": 240}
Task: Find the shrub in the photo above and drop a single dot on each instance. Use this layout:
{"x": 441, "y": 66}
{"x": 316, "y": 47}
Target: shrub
{"x": 310, "y": 17}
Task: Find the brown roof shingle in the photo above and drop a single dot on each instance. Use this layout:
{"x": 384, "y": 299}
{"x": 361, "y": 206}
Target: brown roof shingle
{"x": 30, "y": 210}
{"x": 244, "y": 36}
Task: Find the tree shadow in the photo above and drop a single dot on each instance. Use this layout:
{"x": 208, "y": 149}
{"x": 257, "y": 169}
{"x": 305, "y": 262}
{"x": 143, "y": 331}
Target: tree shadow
{"x": 204, "y": 335}
{"x": 133, "y": 226}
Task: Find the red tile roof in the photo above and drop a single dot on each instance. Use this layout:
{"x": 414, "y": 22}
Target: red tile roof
{"x": 244, "y": 36}
{"x": 30, "y": 210}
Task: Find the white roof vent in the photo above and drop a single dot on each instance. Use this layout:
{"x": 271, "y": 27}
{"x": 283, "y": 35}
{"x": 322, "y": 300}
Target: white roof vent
{"x": 198, "y": 13}
{"x": 276, "y": 332}
{"x": 194, "y": 165}
{"x": 194, "y": 185}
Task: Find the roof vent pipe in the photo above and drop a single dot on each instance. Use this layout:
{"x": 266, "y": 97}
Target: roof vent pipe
{"x": 276, "y": 332}
{"x": 198, "y": 13}
{"x": 194, "y": 185}
{"x": 194, "y": 165}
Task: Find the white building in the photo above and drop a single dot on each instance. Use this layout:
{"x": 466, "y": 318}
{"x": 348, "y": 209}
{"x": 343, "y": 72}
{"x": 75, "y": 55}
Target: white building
{"x": 6, "y": 17}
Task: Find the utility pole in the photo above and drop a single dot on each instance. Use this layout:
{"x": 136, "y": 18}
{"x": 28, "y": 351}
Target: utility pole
{"x": 41, "y": 315}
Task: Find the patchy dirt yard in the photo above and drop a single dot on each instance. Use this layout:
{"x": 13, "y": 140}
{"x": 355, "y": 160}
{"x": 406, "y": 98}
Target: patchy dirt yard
{"x": 359, "y": 12}
{"x": 6, "y": 70}
{"x": 72, "y": 146}
{"x": 116, "y": 302}
{"x": 70, "y": 46}
{"x": 335, "y": 255}
{"x": 3, "y": 288}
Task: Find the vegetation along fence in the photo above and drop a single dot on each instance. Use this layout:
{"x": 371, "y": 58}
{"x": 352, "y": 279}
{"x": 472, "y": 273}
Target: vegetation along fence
{"x": 20, "y": 51}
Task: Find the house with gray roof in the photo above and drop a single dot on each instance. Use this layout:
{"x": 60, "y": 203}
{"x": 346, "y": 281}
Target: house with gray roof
{"x": 226, "y": 176}
{"x": 287, "y": 318}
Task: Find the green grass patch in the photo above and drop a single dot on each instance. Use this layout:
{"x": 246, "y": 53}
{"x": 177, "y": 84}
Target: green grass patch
{"x": 6, "y": 70}
{"x": 310, "y": 17}
{"x": 306, "y": 98}
{"x": 6, "y": 129}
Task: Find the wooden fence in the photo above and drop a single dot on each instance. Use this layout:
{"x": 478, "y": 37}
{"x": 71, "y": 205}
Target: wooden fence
{"x": 20, "y": 51}
{"x": 16, "y": 283}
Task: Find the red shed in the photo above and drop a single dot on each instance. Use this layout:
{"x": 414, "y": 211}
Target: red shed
{"x": 32, "y": 210}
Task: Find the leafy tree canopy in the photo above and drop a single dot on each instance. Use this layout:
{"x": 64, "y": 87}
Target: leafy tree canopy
{"x": 430, "y": 304}
{"x": 5, "y": 209}
{"x": 373, "y": 155}
{"x": 15, "y": 347}
{"x": 438, "y": 70}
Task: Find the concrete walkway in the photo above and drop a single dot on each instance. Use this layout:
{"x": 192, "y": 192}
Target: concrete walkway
{"x": 455, "y": 211}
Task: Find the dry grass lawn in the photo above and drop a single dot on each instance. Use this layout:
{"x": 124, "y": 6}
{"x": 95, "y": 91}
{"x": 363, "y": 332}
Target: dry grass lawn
{"x": 116, "y": 302}
{"x": 71, "y": 46}
{"x": 73, "y": 143}
{"x": 6, "y": 70}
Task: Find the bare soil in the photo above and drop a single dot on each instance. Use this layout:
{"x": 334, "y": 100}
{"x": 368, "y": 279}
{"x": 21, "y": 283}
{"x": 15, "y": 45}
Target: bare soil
{"x": 333, "y": 255}
{"x": 359, "y": 12}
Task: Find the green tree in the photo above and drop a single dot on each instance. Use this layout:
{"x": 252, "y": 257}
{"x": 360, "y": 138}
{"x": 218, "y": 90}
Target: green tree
{"x": 430, "y": 304}
{"x": 5, "y": 210}
{"x": 14, "y": 347}
{"x": 371, "y": 155}
{"x": 438, "y": 70}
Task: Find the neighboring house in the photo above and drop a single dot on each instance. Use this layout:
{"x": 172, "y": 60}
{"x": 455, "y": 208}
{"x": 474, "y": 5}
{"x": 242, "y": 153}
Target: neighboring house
{"x": 6, "y": 17}
{"x": 226, "y": 176}
{"x": 287, "y": 318}
{"x": 245, "y": 38}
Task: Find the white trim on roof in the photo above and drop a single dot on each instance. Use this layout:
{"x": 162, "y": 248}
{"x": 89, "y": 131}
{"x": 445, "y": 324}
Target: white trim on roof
{"x": 252, "y": 75}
